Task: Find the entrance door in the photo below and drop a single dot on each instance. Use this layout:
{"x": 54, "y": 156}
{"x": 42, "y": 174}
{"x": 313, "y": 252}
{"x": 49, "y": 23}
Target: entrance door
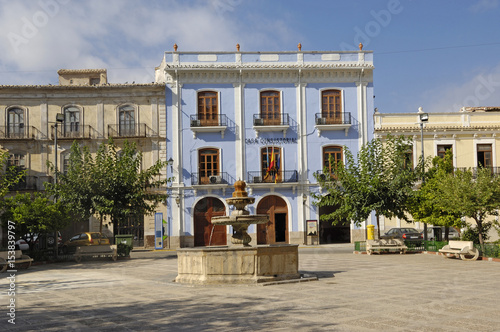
{"x": 276, "y": 230}
{"x": 328, "y": 233}
{"x": 206, "y": 234}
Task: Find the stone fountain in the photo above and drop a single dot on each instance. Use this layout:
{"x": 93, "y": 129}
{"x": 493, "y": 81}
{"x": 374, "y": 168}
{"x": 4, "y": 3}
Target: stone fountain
{"x": 240, "y": 262}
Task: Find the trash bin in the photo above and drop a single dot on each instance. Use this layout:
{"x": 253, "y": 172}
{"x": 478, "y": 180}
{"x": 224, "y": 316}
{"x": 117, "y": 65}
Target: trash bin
{"x": 124, "y": 244}
{"x": 370, "y": 232}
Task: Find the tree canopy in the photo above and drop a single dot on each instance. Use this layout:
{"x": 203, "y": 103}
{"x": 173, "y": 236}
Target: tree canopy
{"x": 380, "y": 179}
{"x": 110, "y": 185}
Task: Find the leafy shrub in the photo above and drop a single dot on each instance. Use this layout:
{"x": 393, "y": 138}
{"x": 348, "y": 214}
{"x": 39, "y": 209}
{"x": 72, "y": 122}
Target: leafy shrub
{"x": 472, "y": 234}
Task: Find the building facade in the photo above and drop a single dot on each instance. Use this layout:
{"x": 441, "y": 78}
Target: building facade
{"x": 272, "y": 119}
{"x": 90, "y": 110}
{"x": 472, "y": 133}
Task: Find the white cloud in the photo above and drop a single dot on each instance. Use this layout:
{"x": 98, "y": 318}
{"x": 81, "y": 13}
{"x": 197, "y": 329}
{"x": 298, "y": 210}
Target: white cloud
{"x": 483, "y": 89}
{"x": 484, "y": 6}
{"x": 128, "y": 37}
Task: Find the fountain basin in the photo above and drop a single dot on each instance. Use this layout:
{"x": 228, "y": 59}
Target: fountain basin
{"x": 237, "y": 265}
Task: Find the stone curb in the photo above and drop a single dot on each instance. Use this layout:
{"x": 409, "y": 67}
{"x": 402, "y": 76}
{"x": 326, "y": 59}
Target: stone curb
{"x": 489, "y": 259}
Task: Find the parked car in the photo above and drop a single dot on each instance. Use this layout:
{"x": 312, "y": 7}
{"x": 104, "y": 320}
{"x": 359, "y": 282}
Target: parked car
{"x": 21, "y": 244}
{"x": 43, "y": 241}
{"x": 84, "y": 239}
{"x": 437, "y": 233}
{"x": 405, "y": 233}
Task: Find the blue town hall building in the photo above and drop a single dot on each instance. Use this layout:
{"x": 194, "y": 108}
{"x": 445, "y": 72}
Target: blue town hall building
{"x": 271, "y": 119}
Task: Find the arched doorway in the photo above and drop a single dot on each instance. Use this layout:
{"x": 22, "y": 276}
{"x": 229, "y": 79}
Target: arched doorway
{"x": 328, "y": 233}
{"x": 276, "y": 230}
{"x": 204, "y": 210}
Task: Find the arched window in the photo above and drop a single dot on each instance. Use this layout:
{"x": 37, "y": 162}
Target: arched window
{"x": 15, "y": 123}
{"x": 331, "y": 106}
{"x": 208, "y": 109}
{"x": 271, "y": 164}
{"x": 127, "y": 120}
{"x": 71, "y": 121}
{"x": 332, "y": 155}
{"x": 270, "y": 107}
{"x": 208, "y": 164}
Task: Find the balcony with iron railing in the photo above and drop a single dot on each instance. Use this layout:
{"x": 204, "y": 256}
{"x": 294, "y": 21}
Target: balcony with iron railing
{"x": 208, "y": 123}
{"x": 474, "y": 170}
{"x": 75, "y": 131}
{"x": 27, "y": 183}
{"x": 211, "y": 178}
{"x": 130, "y": 130}
{"x": 333, "y": 121}
{"x": 273, "y": 177}
{"x": 19, "y": 132}
{"x": 271, "y": 122}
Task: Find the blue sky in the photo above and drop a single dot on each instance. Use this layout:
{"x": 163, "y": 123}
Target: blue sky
{"x": 438, "y": 54}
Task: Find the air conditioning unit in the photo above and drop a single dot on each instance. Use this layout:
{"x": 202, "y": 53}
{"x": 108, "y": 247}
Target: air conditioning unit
{"x": 257, "y": 179}
{"x": 215, "y": 179}
{"x": 195, "y": 123}
{"x": 320, "y": 121}
{"x": 258, "y": 122}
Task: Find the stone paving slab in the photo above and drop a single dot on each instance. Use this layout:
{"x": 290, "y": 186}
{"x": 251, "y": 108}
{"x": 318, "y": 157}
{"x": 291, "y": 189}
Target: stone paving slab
{"x": 392, "y": 292}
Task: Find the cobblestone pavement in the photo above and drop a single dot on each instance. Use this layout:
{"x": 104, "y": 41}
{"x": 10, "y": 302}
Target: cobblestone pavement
{"x": 391, "y": 292}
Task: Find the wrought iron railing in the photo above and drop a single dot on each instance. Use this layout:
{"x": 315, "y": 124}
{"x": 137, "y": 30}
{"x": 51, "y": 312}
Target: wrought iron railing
{"x": 19, "y": 132}
{"x": 211, "y": 178}
{"x": 494, "y": 170}
{"x": 75, "y": 131}
{"x": 130, "y": 130}
{"x": 272, "y": 177}
{"x": 332, "y": 118}
{"x": 271, "y": 119}
{"x": 207, "y": 120}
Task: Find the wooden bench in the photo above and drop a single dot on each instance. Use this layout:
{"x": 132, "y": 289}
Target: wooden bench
{"x": 463, "y": 249}
{"x": 385, "y": 244}
{"x": 18, "y": 256}
{"x": 102, "y": 250}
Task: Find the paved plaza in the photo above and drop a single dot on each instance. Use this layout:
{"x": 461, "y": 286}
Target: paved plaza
{"x": 391, "y": 292}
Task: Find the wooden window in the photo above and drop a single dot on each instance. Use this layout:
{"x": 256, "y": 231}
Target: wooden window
{"x": 270, "y": 107}
{"x": 15, "y": 123}
{"x": 271, "y": 164}
{"x": 484, "y": 155}
{"x": 208, "y": 109}
{"x": 331, "y": 106}
{"x": 408, "y": 154}
{"x": 208, "y": 160}
{"x": 127, "y": 120}
{"x": 332, "y": 155}
{"x": 71, "y": 120}
{"x": 441, "y": 149}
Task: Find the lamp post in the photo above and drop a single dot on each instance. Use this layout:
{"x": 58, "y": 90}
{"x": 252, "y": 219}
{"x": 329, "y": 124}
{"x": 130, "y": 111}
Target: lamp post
{"x": 424, "y": 117}
{"x": 59, "y": 119}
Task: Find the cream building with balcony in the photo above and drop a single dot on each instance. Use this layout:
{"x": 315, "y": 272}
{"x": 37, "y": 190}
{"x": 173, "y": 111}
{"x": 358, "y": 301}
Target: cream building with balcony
{"x": 92, "y": 110}
{"x": 472, "y": 133}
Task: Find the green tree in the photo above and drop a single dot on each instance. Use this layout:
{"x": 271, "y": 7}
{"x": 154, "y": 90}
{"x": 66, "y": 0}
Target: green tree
{"x": 34, "y": 214}
{"x": 9, "y": 175}
{"x": 425, "y": 205}
{"x": 475, "y": 195}
{"x": 111, "y": 185}
{"x": 379, "y": 180}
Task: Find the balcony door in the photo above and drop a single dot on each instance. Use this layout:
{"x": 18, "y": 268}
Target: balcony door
{"x": 332, "y": 155}
{"x": 71, "y": 121}
{"x": 127, "y": 121}
{"x": 271, "y": 164}
{"x": 15, "y": 123}
{"x": 208, "y": 113}
{"x": 484, "y": 156}
{"x": 208, "y": 165}
{"x": 331, "y": 109}
{"x": 270, "y": 107}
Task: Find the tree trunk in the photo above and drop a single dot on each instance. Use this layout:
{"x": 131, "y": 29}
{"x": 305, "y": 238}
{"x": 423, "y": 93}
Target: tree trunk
{"x": 480, "y": 231}
{"x": 100, "y": 226}
{"x": 378, "y": 224}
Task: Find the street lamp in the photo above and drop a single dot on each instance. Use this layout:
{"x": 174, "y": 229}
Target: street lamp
{"x": 424, "y": 117}
{"x": 59, "y": 119}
